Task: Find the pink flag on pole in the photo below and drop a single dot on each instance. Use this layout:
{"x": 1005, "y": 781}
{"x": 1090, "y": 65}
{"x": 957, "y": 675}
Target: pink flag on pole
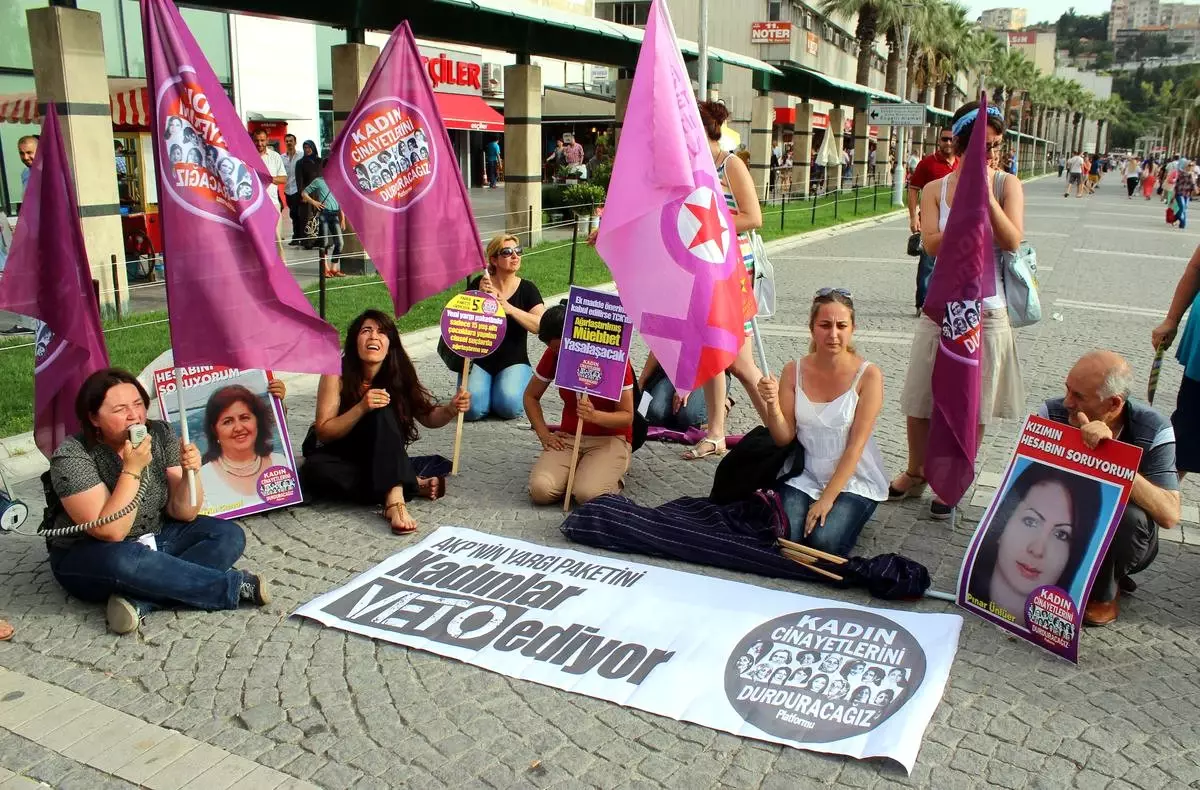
{"x": 962, "y": 278}
{"x": 230, "y": 298}
{"x": 668, "y": 237}
{"x": 395, "y": 175}
{"x": 47, "y": 277}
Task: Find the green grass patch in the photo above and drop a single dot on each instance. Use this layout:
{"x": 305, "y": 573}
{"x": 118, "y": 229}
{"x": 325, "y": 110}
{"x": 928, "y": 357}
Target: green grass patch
{"x": 135, "y": 341}
{"x": 798, "y": 216}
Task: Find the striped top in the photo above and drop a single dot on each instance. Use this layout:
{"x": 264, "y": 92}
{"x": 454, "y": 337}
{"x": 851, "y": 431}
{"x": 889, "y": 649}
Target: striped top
{"x": 744, "y": 244}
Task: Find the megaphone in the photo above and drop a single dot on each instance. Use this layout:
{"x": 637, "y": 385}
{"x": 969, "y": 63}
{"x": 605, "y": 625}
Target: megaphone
{"x": 13, "y": 511}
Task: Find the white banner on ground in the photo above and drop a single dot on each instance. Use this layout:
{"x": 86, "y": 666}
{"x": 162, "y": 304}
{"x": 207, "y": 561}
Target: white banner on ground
{"x": 808, "y": 672}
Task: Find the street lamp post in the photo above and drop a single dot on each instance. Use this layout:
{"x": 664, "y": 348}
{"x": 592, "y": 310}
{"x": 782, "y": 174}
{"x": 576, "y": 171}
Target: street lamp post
{"x": 898, "y": 173}
{"x": 702, "y": 66}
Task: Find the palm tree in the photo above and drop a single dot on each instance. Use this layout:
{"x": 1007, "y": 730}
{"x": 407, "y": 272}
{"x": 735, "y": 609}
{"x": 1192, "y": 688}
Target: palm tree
{"x": 873, "y": 16}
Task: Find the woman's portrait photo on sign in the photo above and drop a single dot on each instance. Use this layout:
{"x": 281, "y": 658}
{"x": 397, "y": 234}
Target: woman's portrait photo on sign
{"x": 1044, "y": 530}
{"x": 246, "y": 459}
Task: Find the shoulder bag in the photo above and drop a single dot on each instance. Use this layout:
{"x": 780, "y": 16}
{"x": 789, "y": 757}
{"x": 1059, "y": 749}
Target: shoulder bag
{"x": 764, "y": 272}
{"x": 1018, "y": 275}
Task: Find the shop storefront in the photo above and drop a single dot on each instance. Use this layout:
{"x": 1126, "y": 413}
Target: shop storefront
{"x": 457, "y": 80}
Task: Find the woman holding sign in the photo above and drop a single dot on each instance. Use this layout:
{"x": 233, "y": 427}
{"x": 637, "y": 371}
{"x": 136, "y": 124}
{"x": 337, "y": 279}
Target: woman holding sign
{"x": 1037, "y": 537}
{"x": 497, "y": 382}
{"x": 607, "y": 440}
{"x": 367, "y": 417}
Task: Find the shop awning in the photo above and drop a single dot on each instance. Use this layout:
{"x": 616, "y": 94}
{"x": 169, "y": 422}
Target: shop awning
{"x": 810, "y": 84}
{"x": 264, "y": 116}
{"x": 469, "y": 113}
{"x": 127, "y": 100}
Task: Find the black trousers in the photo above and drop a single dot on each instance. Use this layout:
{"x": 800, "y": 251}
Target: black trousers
{"x": 367, "y": 463}
{"x": 1131, "y": 184}
{"x": 1134, "y": 546}
{"x": 295, "y": 204}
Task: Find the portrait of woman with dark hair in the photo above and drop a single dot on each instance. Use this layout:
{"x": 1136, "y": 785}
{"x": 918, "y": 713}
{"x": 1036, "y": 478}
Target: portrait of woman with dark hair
{"x": 884, "y": 698}
{"x": 818, "y": 684}
{"x": 779, "y": 676}
{"x": 800, "y": 677}
{"x": 1038, "y": 535}
{"x": 194, "y": 157}
{"x": 874, "y": 676}
{"x": 176, "y": 154}
{"x": 861, "y": 696}
{"x": 743, "y": 664}
{"x": 238, "y": 425}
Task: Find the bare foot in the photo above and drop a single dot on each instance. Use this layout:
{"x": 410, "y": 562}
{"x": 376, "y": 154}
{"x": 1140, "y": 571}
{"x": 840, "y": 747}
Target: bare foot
{"x": 431, "y": 487}
{"x": 6, "y": 631}
{"x": 398, "y": 517}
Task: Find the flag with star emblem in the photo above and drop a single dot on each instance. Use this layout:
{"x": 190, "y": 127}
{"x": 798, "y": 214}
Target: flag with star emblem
{"x": 668, "y": 237}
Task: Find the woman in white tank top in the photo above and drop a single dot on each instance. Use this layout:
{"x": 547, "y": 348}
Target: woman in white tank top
{"x": 829, "y": 401}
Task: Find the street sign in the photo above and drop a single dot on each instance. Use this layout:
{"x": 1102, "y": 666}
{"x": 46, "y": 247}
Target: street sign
{"x": 896, "y": 114}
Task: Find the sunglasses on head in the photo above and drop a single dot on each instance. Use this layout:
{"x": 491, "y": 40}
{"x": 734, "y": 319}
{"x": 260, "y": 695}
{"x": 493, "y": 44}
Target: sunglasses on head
{"x": 506, "y": 252}
{"x": 821, "y": 292}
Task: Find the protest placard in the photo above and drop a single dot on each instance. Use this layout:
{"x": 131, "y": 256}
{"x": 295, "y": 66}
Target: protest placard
{"x": 595, "y": 344}
{"x": 473, "y": 326}
{"x": 807, "y": 672}
{"x": 247, "y": 465}
{"x": 1031, "y": 564}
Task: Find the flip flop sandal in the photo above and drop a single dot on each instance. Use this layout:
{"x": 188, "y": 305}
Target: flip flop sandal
{"x": 698, "y": 452}
{"x": 398, "y": 530}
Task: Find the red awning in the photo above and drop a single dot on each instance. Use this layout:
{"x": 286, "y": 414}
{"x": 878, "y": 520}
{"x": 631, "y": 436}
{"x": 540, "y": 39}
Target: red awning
{"x": 129, "y": 105}
{"x": 461, "y": 111}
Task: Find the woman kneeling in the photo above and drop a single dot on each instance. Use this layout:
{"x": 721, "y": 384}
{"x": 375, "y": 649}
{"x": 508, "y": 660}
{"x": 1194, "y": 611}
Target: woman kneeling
{"x": 606, "y": 443}
{"x": 829, "y": 401}
{"x": 367, "y": 417}
{"x": 148, "y": 547}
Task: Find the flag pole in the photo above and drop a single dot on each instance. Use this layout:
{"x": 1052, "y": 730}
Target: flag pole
{"x": 184, "y": 433}
{"x": 466, "y": 374}
{"x": 574, "y": 463}
{"x": 762, "y": 349}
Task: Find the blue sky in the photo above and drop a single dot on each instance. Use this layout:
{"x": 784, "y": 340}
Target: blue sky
{"x": 1040, "y": 10}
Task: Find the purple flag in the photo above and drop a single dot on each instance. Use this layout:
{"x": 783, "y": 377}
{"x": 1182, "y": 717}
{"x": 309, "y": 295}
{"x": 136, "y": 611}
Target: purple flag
{"x": 394, "y": 173}
{"x": 962, "y": 278}
{"x": 230, "y": 298}
{"x": 47, "y": 277}
{"x": 668, "y": 237}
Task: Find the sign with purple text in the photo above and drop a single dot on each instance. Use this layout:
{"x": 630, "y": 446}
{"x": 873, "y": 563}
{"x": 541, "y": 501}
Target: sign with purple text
{"x": 595, "y": 344}
{"x": 247, "y": 465}
{"x": 473, "y": 324}
{"x": 1031, "y": 565}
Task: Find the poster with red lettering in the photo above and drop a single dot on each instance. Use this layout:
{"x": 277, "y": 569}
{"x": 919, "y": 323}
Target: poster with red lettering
{"x": 1032, "y": 562}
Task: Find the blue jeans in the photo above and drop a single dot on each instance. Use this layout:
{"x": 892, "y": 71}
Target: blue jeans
{"x": 924, "y": 272}
{"x": 192, "y": 566}
{"x": 846, "y": 519}
{"x": 493, "y": 171}
{"x": 502, "y": 395}
{"x": 331, "y": 232}
{"x": 662, "y": 398}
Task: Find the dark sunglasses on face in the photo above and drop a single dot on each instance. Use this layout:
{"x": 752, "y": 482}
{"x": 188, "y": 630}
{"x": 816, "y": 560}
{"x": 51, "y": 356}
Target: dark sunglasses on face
{"x": 947, "y": 139}
{"x": 992, "y": 146}
{"x": 506, "y": 252}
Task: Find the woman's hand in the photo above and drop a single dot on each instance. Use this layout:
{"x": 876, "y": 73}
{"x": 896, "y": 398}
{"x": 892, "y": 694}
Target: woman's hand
{"x": 768, "y": 390}
{"x": 487, "y": 286}
{"x": 1164, "y": 334}
{"x": 375, "y": 399}
{"x": 553, "y": 441}
{"x": 189, "y": 457}
{"x": 817, "y": 512}
{"x": 277, "y": 388}
{"x": 135, "y": 459}
{"x": 460, "y": 402}
{"x": 585, "y": 409}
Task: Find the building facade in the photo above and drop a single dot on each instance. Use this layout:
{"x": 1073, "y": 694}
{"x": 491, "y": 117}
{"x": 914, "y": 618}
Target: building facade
{"x": 1039, "y": 48}
{"x": 1003, "y": 19}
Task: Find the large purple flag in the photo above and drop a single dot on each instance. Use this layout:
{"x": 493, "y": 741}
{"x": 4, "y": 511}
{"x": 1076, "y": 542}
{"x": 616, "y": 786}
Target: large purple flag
{"x": 394, "y": 173}
{"x": 47, "y": 277}
{"x": 668, "y": 237}
{"x": 230, "y": 298}
{"x": 961, "y": 280}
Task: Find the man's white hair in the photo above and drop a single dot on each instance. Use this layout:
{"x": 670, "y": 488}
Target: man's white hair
{"x": 1117, "y": 381}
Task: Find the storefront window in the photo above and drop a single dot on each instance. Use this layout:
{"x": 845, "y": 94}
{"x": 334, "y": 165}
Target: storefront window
{"x": 110, "y": 24}
{"x": 211, "y": 29}
{"x": 10, "y": 190}
{"x": 325, "y": 119}
{"x": 327, "y": 37}
{"x": 14, "y": 43}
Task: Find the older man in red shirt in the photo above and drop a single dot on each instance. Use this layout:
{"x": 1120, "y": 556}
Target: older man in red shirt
{"x": 937, "y": 165}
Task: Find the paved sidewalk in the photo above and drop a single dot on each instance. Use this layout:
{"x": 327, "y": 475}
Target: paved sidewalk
{"x": 339, "y": 710}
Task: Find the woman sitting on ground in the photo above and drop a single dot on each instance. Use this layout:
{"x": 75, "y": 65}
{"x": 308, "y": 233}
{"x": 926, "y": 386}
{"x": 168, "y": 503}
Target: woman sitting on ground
{"x": 157, "y": 551}
{"x": 497, "y": 381}
{"x": 607, "y": 440}
{"x": 367, "y": 417}
{"x": 667, "y": 409}
{"x": 829, "y": 401}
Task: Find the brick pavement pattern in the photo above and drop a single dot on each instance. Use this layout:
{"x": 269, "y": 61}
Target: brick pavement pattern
{"x": 343, "y": 711}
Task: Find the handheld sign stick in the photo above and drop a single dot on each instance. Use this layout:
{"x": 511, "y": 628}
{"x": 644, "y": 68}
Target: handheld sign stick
{"x": 1155, "y": 367}
{"x": 762, "y": 349}
{"x": 183, "y": 429}
{"x": 466, "y": 374}
{"x": 574, "y": 463}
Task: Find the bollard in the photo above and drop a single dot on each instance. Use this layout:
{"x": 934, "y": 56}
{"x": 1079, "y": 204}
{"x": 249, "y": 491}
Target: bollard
{"x": 875, "y": 200}
{"x": 782, "y": 212}
{"x": 813, "y": 220}
{"x": 321, "y": 290}
{"x": 574, "y": 242}
{"x": 836, "y": 200}
{"x": 856, "y": 200}
{"x": 116, "y": 287}
{"x": 529, "y": 236}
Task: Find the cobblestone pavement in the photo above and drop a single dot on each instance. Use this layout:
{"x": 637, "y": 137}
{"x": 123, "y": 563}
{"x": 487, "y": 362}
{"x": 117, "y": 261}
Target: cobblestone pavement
{"x": 344, "y": 711}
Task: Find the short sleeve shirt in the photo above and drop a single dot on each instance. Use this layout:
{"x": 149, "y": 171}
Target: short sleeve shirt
{"x": 514, "y": 349}
{"x": 276, "y": 168}
{"x": 1145, "y": 428}
{"x": 930, "y": 169}
{"x": 318, "y": 190}
{"x": 75, "y": 467}
{"x": 1075, "y": 164}
{"x": 491, "y": 151}
{"x": 548, "y": 366}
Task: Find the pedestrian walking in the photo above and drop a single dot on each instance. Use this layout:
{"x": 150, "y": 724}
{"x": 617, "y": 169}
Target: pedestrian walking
{"x": 1002, "y": 394}
{"x": 491, "y": 160}
{"x": 1062, "y": 163}
{"x": 291, "y": 190}
{"x": 1075, "y": 175}
{"x": 1185, "y": 188}
{"x": 1132, "y": 171}
{"x": 1148, "y": 179}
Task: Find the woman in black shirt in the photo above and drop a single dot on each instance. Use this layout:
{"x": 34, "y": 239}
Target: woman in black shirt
{"x": 497, "y": 381}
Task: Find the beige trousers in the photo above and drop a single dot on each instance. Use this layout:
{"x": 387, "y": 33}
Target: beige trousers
{"x": 602, "y": 462}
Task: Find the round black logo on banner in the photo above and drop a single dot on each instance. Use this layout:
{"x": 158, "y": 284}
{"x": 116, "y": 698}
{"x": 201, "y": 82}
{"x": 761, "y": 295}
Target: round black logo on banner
{"x": 823, "y": 675}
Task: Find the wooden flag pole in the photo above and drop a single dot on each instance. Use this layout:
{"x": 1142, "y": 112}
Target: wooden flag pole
{"x": 466, "y": 374}
{"x": 808, "y": 565}
{"x": 574, "y": 462}
{"x": 799, "y": 547}
{"x": 184, "y": 433}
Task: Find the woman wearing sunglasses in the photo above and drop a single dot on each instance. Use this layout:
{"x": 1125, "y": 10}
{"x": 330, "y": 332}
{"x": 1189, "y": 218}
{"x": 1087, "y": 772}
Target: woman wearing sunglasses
{"x": 1002, "y": 394}
{"x": 497, "y": 382}
{"x": 829, "y": 401}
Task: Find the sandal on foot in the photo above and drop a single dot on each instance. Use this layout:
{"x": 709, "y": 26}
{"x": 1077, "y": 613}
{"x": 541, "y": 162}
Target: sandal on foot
{"x": 409, "y": 526}
{"x": 914, "y": 489}
{"x": 700, "y": 451}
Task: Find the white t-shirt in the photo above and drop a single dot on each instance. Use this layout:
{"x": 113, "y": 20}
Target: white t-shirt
{"x": 913, "y": 161}
{"x": 1075, "y": 164}
{"x": 1132, "y": 168}
{"x": 289, "y": 164}
{"x": 276, "y": 168}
